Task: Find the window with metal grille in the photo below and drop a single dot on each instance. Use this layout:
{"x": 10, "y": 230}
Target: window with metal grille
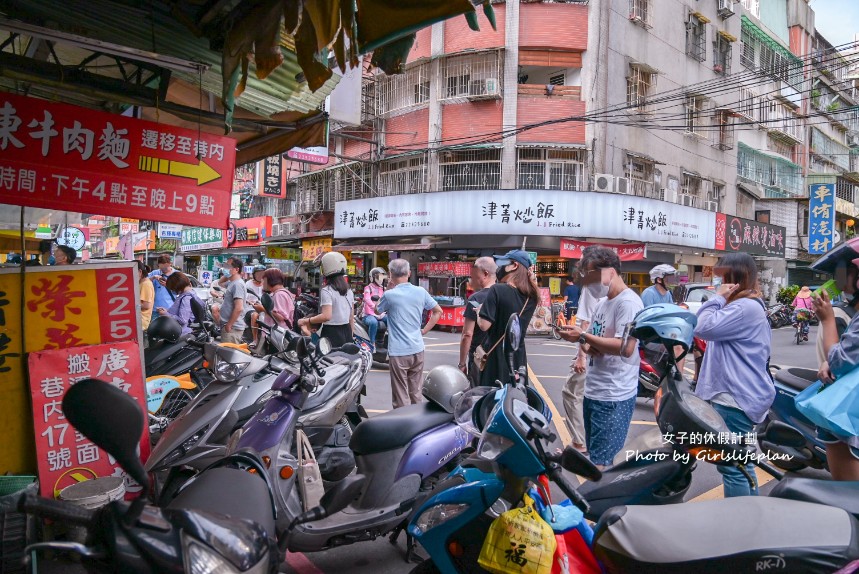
{"x": 723, "y": 129}
{"x": 696, "y": 38}
{"x": 551, "y": 169}
{"x": 690, "y": 190}
{"x": 781, "y": 147}
{"x": 314, "y": 192}
{"x": 747, "y": 103}
{"x": 402, "y": 93}
{"x": 557, "y": 80}
{"x": 846, "y": 190}
{"x": 352, "y": 181}
{"x": 402, "y": 176}
{"x": 640, "y": 85}
{"x": 640, "y": 12}
{"x": 722, "y": 55}
{"x": 766, "y": 56}
{"x": 470, "y": 169}
{"x": 694, "y": 114}
{"x": 472, "y": 75}
{"x": 782, "y": 177}
{"x": 641, "y": 177}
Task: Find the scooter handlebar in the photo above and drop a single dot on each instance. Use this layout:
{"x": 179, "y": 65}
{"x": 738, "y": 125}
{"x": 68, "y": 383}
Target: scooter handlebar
{"x": 57, "y": 510}
{"x": 556, "y": 473}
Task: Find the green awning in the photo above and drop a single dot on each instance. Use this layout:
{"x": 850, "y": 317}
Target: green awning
{"x": 766, "y": 39}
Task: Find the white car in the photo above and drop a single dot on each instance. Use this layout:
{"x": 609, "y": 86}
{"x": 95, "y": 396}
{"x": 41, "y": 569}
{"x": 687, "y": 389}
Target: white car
{"x": 697, "y": 294}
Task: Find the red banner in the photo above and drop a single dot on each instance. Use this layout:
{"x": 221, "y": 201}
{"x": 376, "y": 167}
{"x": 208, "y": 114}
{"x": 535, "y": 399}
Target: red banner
{"x": 452, "y": 316}
{"x": 248, "y": 232}
{"x": 572, "y": 249}
{"x": 65, "y": 456}
{"x": 449, "y": 268}
{"x": 63, "y": 157}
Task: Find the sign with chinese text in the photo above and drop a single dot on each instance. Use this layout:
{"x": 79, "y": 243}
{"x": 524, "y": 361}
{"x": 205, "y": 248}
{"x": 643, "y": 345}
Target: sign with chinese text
{"x": 452, "y": 316}
{"x": 271, "y": 182}
{"x": 128, "y": 226}
{"x": 555, "y": 285}
{"x": 512, "y": 212}
{"x": 248, "y": 232}
{"x": 752, "y": 237}
{"x": 58, "y": 156}
{"x": 200, "y": 238}
{"x": 283, "y": 253}
{"x": 71, "y": 237}
{"x": 312, "y": 248}
{"x": 63, "y": 454}
{"x": 59, "y": 312}
{"x": 572, "y": 249}
{"x": 445, "y": 269}
{"x": 169, "y": 231}
{"x": 821, "y": 218}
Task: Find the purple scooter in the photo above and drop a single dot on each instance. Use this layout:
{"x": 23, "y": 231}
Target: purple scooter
{"x": 400, "y": 453}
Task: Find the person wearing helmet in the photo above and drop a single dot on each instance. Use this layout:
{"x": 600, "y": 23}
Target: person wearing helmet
{"x": 840, "y": 346}
{"x": 734, "y": 376}
{"x": 252, "y": 300}
{"x": 336, "y": 302}
{"x": 376, "y": 288}
{"x": 663, "y": 278}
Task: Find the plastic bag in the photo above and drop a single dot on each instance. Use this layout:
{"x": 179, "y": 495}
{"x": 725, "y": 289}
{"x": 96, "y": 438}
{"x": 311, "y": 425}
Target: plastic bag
{"x": 573, "y": 537}
{"x": 519, "y": 541}
{"x": 834, "y": 407}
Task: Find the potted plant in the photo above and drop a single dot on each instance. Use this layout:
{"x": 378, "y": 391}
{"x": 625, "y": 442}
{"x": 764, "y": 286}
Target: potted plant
{"x": 815, "y": 98}
{"x": 718, "y": 68}
{"x": 833, "y": 107}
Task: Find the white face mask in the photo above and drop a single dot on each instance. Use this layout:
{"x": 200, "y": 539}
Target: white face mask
{"x": 597, "y": 290}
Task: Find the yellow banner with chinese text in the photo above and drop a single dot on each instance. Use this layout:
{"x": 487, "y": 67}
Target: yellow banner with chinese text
{"x": 312, "y": 248}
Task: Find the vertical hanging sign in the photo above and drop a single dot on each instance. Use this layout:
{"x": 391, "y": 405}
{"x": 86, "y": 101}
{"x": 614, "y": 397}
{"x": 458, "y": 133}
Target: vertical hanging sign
{"x": 821, "y": 218}
{"x": 271, "y": 182}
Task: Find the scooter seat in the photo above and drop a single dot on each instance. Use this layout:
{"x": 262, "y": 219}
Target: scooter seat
{"x": 832, "y": 493}
{"x": 231, "y": 492}
{"x": 742, "y": 534}
{"x": 796, "y": 378}
{"x": 162, "y": 350}
{"x": 397, "y": 428}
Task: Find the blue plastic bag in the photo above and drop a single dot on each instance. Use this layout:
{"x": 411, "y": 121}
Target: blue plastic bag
{"x": 834, "y": 407}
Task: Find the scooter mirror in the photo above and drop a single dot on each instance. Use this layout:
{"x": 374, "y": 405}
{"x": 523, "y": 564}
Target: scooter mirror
{"x": 323, "y": 346}
{"x": 301, "y": 347}
{"x": 513, "y": 333}
{"x": 111, "y": 419}
{"x": 783, "y": 434}
{"x": 267, "y": 303}
{"x": 577, "y": 463}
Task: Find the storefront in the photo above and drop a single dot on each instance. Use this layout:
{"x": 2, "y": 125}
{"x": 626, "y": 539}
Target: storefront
{"x": 447, "y": 282}
{"x": 206, "y": 250}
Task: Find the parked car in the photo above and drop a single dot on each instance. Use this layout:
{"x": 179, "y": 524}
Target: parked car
{"x": 201, "y": 291}
{"x": 697, "y": 294}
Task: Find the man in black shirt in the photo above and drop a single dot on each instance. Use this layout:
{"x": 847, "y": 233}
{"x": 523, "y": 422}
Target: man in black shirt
{"x": 482, "y": 278}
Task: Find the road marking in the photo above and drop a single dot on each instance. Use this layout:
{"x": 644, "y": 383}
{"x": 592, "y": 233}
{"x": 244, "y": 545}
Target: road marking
{"x": 567, "y": 346}
{"x": 563, "y": 433}
{"x": 650, "y": 423}
{"x": 442, "y": 344}
{"x": 375, "y": 411}
{"x": 554, "y": 377}
{"x": 539, "y": 355}
{"x": 718, "y": 492}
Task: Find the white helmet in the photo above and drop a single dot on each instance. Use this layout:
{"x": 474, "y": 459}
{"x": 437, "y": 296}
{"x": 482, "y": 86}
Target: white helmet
{"x": 378, "y": 275}
{"x": 333, "y": 263}
{"x": 660, "y": 271}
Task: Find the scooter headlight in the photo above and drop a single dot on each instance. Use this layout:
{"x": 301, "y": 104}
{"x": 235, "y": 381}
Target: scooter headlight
{"x": 184, "y": 448}
{"x": 202, "y": 560}
{"x": 438, "y": 514}
{"x": 229, "y": 372}
{"x": 492, "y": 445}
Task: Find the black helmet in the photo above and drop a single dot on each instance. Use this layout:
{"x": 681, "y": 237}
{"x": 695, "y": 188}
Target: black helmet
{"x": 166, "y": 328}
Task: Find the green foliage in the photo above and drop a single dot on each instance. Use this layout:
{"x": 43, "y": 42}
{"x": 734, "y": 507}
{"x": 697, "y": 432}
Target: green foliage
{"x": 786, "y": 295}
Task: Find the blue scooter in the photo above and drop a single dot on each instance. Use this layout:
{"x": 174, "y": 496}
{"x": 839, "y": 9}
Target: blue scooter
{"x": 789, "y": 383}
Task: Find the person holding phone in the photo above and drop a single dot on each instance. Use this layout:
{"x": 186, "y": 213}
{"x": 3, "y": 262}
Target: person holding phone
{"x": 163, "y": 297}
{"x": 181, "y": 309}
{"x": 482, "y": 278}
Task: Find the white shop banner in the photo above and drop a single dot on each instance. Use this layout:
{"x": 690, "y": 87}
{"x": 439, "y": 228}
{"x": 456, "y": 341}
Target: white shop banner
{"x": 527, "y": 212}
{"x": 169, "y": 231}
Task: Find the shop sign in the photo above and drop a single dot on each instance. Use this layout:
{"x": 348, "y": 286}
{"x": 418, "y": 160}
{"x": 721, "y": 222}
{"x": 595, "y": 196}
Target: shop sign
{"x": 60, "y": 450}
{"x": 129, "y": 226}
{"x": 71, "y": 237}
{"x": 169, "y": 231}
{"x": 43, "y": 231}
{"x": 572, "y": 249}
{"x": 59, "y": 312}
{"x": 555, "y": 285}
{"x": 63, "y": 157}
{"x": 205, "y": 276}
{"x": 746, "y": 235}
{"x": 313, "y": 248}
{"x": 821, "y": 216}
{"x": 248, "y": 232}
{"x": 445, "y": 268}
{"x": 271, "y": 182}
{"x": 283, "y": 253}
{"x": 513, "y": 212}
{"x": 200, "y": 238}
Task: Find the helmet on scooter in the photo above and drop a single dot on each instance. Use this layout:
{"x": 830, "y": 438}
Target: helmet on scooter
{"x": 665, "y": 323}
{"x": 378, "y": 275}
{"x": 165, "y": 328}
{"x": 333, "y": 263}
{"x": 444, "y": 385}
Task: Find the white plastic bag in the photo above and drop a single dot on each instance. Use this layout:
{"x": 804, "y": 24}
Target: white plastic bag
{"x": 309, "y": 477}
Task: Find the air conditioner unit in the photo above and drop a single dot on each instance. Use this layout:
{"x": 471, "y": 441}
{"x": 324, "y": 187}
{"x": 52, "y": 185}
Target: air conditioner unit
{"x": 687, "y": 200}
{"x": 726, "y": 8}
{"x": 604, "y": 182}
{"x": 491, "y": 87}
{"x": 711, "y": 206}
{"x": 621, "y": 185}
{"x": 853, "y": 140}
{"x": 476, "y": 88}
{"x": 275, "y": 229}
{"x": 669, "y": 195}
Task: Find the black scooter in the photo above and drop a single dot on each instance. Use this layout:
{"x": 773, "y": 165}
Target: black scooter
{"x": 222, "y": 522}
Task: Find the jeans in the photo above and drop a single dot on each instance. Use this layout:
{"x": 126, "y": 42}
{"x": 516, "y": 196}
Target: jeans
{"x": 606, "y": 426}
{"x": 372, "y": 328}
{"x": 733, "y": 481}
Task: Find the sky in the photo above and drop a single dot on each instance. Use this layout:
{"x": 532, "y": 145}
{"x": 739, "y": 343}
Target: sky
{"x": 837, "y": 20}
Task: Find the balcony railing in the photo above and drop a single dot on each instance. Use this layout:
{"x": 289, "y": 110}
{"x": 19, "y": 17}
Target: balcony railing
{"x": 574, "y": 92}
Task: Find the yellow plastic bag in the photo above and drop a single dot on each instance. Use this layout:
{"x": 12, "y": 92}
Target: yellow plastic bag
{"x": 519, "y": 542}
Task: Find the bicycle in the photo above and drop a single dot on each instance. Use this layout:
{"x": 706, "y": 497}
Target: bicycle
{"x": 559, "y": 318}
{"x": 802, "y": 318}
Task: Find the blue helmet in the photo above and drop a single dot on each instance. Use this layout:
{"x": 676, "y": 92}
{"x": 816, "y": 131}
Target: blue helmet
{"x": 665, "y": 323}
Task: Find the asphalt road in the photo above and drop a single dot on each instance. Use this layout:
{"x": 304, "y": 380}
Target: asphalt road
{"x": 549, "y": 362}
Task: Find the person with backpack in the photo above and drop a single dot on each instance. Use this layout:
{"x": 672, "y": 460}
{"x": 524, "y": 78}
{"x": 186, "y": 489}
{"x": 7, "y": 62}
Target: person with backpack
{"x": 735, "y": 375}
{"x": 182, "y": 309}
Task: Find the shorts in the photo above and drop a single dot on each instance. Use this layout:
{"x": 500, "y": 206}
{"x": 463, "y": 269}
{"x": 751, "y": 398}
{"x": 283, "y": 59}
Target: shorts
{"x": 827, "y": 437}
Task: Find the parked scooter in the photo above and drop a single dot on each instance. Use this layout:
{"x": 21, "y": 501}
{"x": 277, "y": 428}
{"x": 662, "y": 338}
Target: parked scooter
{"x": 779, "y": 315}
{"x": 379, "y": 347}
{"x": 513, "y": 450}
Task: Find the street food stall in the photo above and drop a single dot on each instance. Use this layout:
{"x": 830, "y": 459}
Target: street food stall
{"x": 446, "y": 281}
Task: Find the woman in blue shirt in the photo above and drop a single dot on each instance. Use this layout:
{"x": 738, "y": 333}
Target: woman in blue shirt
{"x": 734, "y": 376}
{"x": 181, "y": 310}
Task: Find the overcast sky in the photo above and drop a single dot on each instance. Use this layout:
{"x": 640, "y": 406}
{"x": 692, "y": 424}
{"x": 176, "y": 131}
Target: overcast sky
{"x": 837, "y": 20}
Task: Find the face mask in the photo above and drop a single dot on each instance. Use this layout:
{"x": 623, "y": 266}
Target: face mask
{"x": 597, "y": 289}
{"x": 501, "y": 273}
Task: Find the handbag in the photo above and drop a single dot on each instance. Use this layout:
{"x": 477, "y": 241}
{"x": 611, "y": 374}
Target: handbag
{"x": 833, "y": 407}
{"x": 481, "y": 355}
{"x": 309, "y": 478}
